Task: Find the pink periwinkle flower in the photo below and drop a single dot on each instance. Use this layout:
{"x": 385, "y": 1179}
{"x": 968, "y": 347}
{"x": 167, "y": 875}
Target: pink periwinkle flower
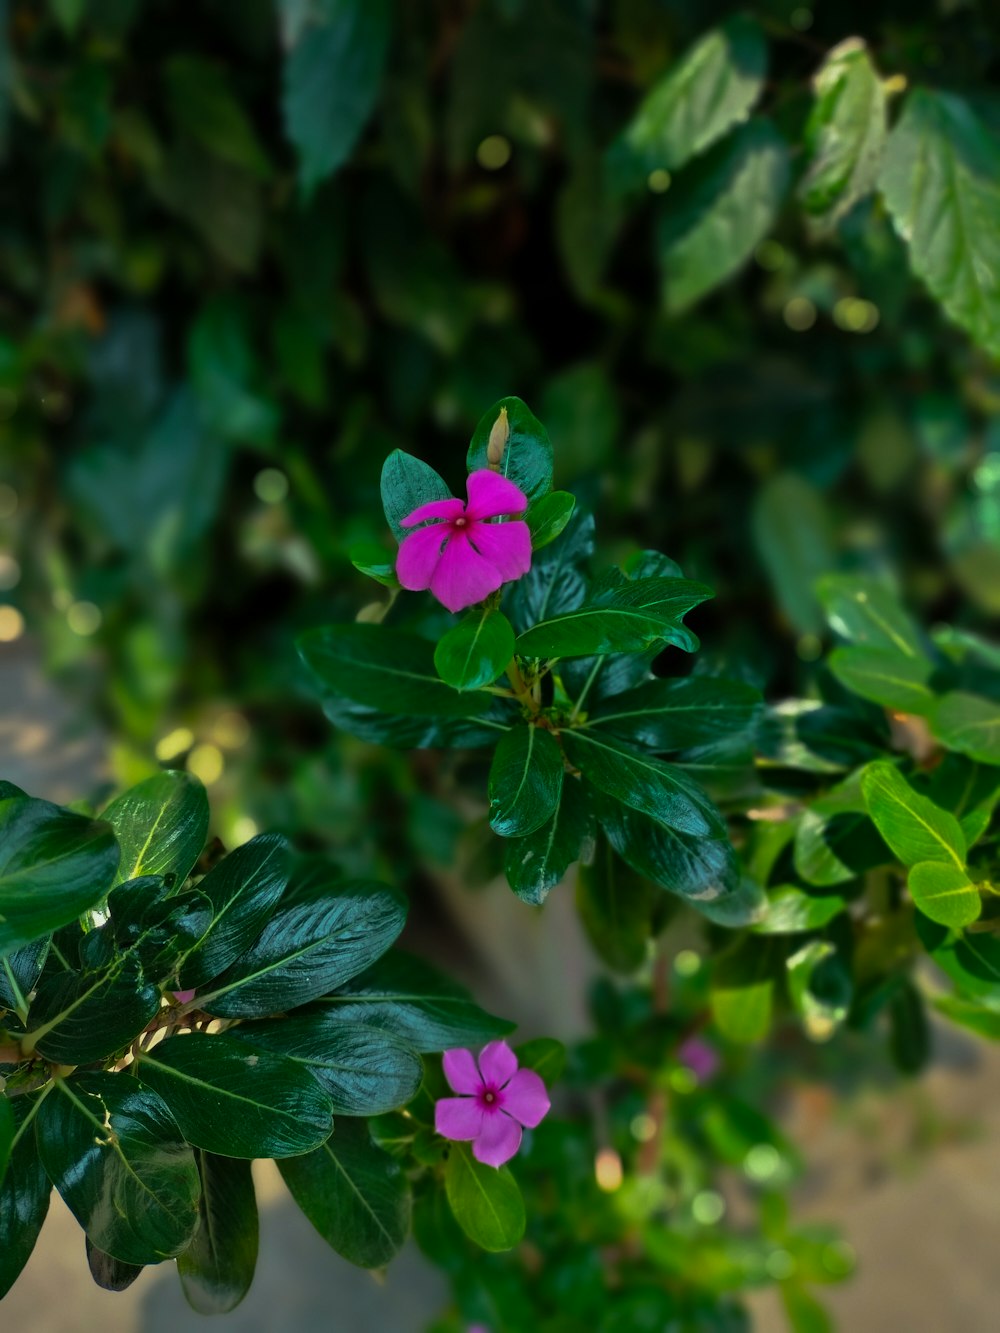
{"x": 459, "y": 553}
{"x": 183, "y": 996}
{"x": 701, "y": 1058}
{"x": 495, "y": 1100}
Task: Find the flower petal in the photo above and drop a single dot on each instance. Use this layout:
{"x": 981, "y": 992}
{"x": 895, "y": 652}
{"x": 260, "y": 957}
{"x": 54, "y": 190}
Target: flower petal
{"x": 419, "y": 555}
{"x": 434, "y": 509}
{"x": 460, "y": 1070}
{"x": 458, "y": 1117}
{"x": 462, "y": 576}
{"x": 526, "y": 1099}
{"x": 507, "y": 546}
{"x": 497, "y": 1063}
{"x": 498, "y": 1140}
{"x": 491, "y": 495}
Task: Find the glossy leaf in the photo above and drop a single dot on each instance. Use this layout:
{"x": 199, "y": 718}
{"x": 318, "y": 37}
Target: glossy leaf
{"x": 160, "y": 825}
{"x": 941, "y": 182}
{"x": 891, "y": 679}
{"x": 526, "y": 779}
{"x": 354, "y": 1194}
{"x": 846, "y": 132}
{"x": 8, "y": 1128}
{"x": 616, "y": 906}
{"x": 420, "y": 1005}
{"x": 476, "y": 651}
{"x": 375, "y": 561}
{"x": 234, "y": 1101}
{"x": 548, "y": 517}
{"x": 914, "y": 827}
{"x": 719, "y": 211}
{"x": 243, "y": 889}
{"x": 115, "y": 1154}
{"x": 77, "y": 1018}
{"x": 863, "y": 611}
{"x": 54, "y": 865}
{"x": 968, "y": 723}
{"x": 218, "y": 1266}
{"x": 536, "y": 863}
{"x": 675, "y": 714}
{"x": 527, "y": 455}
{"x": 485, "y": 1200}
{"x": 944, "y": 893}
{"x": 791, "y": 911}
{"x": 627, "y": 618}
{"x": 407, "y": 483}
{"x": 384, "y": 669}
{"x": 834, "y": 838}
{"x": 363, "y": 1070}
{"x": 316, "y": 943}
{"x": 19, "y": 971}
{"x": 556, "y": 581}
{"x": 24, "y": 1195}
{"x": 109, "y": 1273}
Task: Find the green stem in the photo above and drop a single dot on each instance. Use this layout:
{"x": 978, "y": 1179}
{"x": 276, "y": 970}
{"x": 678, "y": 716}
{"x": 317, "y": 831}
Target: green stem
{"x": 586, "y": 687}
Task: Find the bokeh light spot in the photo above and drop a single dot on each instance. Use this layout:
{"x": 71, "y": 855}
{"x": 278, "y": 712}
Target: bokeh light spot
{"x": 11, "y": 624}
{"x": 206, "y": 763}
{"x": 270, "y": 486}
{"x": 494, "y": 152}
{"x": 84, "y": 618}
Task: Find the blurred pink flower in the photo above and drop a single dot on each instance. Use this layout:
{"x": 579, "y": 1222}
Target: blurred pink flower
{"x": 701, "y": 1058}
{"x": 496, "y": 1100}
{"x": 459, "y": 554}
{"x": 183, "y": 996}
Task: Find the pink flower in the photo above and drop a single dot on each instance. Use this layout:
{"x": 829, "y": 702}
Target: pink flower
{"x": 183, "y": 996}
{"x": 699, "y": 1057}
{"x": 461, "y": 556}
{"x": 496, "y": 1099}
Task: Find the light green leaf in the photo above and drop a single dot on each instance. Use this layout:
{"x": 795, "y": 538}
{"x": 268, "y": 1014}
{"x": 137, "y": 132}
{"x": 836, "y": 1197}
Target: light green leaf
{"x": 941, "y": 182}
{"x": 913, "y": 826}
{"x": 791, "y": 911}
{"x": 846, "y": 132}
{"x": 891, "y": 679}
{"x": 715, "y": 215}
{"x": 485, "y": 1200}
{"x": 160, "y": 825}
{"x": 525, "y": 783}
{"x": 944, "y": 893}
{"x": 476, "y": 651}
{"x": 820, "y": 987}
{"x": 742, "y": 995}
{"x": 968, "y": 723}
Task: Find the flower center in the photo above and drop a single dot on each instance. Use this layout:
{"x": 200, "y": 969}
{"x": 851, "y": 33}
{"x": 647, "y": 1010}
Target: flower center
{"x": 489, "y": 1098}
{"x": 461, "y": 522}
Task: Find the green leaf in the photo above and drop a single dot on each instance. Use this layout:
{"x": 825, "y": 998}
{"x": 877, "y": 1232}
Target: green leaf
{"x": 820, "y": 987}
{"x": 865, "y": 612}
{"x": 627, "y": 618}
{"x": 384, "y": 669}
{"x": 77, "y": 1018}
{"x": 310, "y": 946}
{"x": 24, "y": 1195}
{"x": 909, "y": 1030}
{"x": 234, "y": 1101}
{"x": 794, "y": 535}
{"x": 676, "y": 714}
{"x": 374, "y": 560}
{"x": 546, "y": 1056}
{"x": 944, "y": 893}
{"x": 557, "y": 580}
{"x": 226, "y": 374}
{"x": 834, "y": 839}
{"x": 914, "y": 827}
{"x": 713, "y": 87}
{"x": 154, "y": 924}
{"x": 890, "y": 679}
{"x": 792, "y": 911}
{"x": 364, "y": 1070}
{"x": 331, "y": 81}
{"x": 526, "y": 779}
{"x": 941, "y": 182}
{"x": 983, "y": 1022}
{"x": 19, "y": 971}
{"x": 476, "y": 651}
{"x": 644, "y": 783}
{"x": 218, "y": 1266}
{"x": 203, "y": 105}
{"x": 54, "y": 865}
{"x": 742, "y": 996}
{"x": 846, "y": 132}
{"x": 354, "y": 1194}
{"x": 485, "y": 1201}
{"x": 548, "y": 517}
{"x": 535, "y": 864}
{"x": 420, "y": 1005}
{"x": 718, "y": 212}
{"x": 527, "y": 456}
{"x": 113, "y": 1151}
{"x": 243, "y": 889}
{"x": 8, "y": 1128}
{"x": 407, "y": 483}
{"x": 968, "y": 723}
{"x": 109, "y": 1273}
{"x": 616, "y": 906}
{"x": 160, "y": 825}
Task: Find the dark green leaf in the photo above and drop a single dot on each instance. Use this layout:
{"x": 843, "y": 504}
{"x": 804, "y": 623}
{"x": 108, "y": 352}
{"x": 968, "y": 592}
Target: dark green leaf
{"x": 374, "y": 560}
{"x": 236, "y": 1101}
{"x": 526, "y": 779}
{"x": 384, "y": 669}
{"x": 527, "y": 455}
{"x": 535, "y": 864}
{"x": 675, "y": 714}
{"x": 416, "y": 1002}
{"x": 485, "y": 1201}
{"x": 202, "y": 104}
{"x": 408, "y": 731}
{"x": 77, "y": 1018}
{"x": 834, "y": 839}
{"x": 157, "y": 925}
{"x": 968, "y": 723}
{"x": 111, "y": 1148}
{"x": 160, "y": 826}
{"x": 846, "y": 132}
{"x": 354, "y": 1194}
{"x": 794, "y": 535}
{"x": 941, "y": 182}
{"x": 243, "y": 890}
{"x": 865, "y": 612}
{"x": 476, "y": 651}
{"x": 311, "y": 946}
{"x": 407, "y": 483}
{"x": 820, "y": 987}
{"x": 331, "y": 81}
{"x": 719, "y": 211}
{"x": 890, "y": 679}
{"x": 909, "y": 1030}
{"x": 944, "y": 893}
{"x": 548, "y": 516}
{"x": 19, "y": 972}
{"x": 364, "y": 1070}
{"x": 616, "y": 906}
{"x": 914, "y": 827}
{"x": 218, "y": 1266}
{"x": 627, "y": 618}
{"x": 24, "y": 1195}
{"x": 109, "y": 1273}
{"x": 556, "y": 581}
{"x": 8, "y": 1128}
{"x": 546, "y": 1056}
{"x": 54, "y": 865}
